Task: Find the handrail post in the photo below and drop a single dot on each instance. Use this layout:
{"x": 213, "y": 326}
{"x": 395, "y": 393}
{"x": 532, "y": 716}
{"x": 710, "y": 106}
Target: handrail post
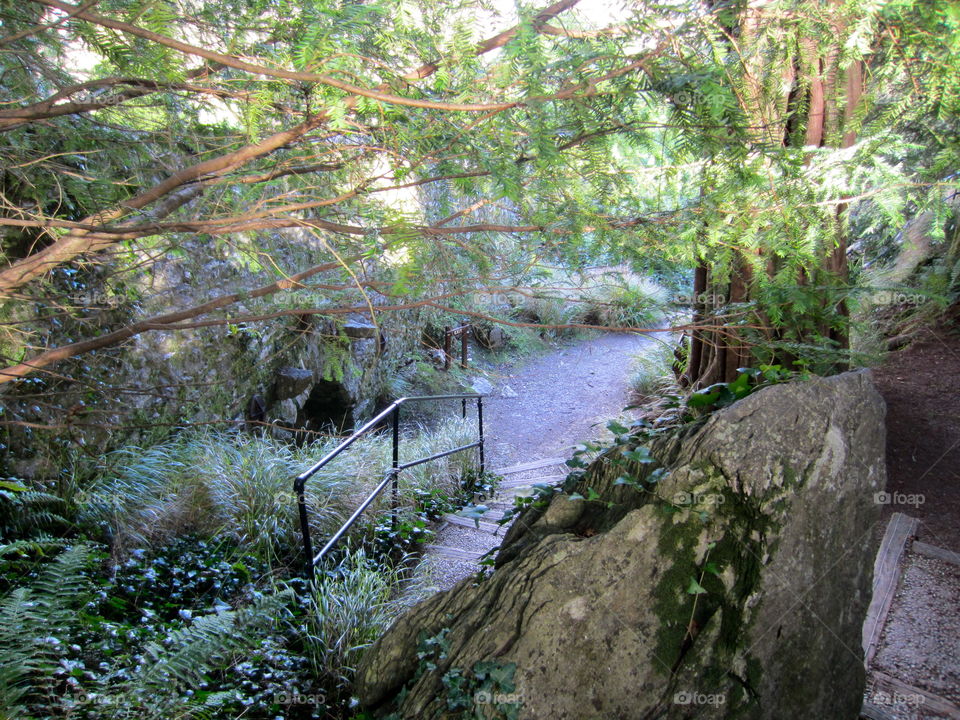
{"x": 464, "y": 333}
{"x": 447, "y": 337}
{"x": 396, "y": 468}
{"x": 480, "y": 431}
{"x": 391, "y": 478}
{"x": 298, "y": 488}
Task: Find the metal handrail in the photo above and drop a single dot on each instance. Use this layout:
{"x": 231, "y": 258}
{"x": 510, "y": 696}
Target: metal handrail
{"x": 299, "y": 484}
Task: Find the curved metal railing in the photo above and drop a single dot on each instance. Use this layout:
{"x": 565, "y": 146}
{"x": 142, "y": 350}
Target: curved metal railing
{"x": 391, "y": 477}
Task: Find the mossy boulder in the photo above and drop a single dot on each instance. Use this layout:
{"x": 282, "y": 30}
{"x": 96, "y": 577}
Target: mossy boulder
{"x": 735, "y": 586}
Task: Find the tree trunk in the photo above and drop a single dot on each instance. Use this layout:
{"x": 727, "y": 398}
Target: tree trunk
{"x": 809, "y": 79}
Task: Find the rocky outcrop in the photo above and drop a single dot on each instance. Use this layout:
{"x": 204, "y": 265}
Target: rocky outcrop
{"x": 727, "y": 579}
{"x": 291, "y": 382}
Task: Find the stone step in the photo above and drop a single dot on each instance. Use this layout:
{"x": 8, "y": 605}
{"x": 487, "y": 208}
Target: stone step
{"x": 484, "y": 526}
{"x": 455, "y": 553}
{"x": 547, "y": 480}
{"x": 532, "y": 465}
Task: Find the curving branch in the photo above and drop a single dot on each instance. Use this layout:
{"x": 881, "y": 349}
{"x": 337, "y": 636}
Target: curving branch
{"x": 254, "y": 69}
{"x": 55, "y": 355}
{"x": 82, "y": 241}
{"x": 54, "y": 106}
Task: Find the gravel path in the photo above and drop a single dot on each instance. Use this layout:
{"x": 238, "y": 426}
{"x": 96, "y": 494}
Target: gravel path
{"x": 538, "y": 409}
{"x": 545, "y": 407}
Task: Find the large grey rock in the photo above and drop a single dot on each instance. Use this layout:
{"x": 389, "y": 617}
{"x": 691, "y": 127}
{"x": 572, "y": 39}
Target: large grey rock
{"x": 360, "y": 330}
{"x": 291, "y": 382}
{"x": 594, "y": 609}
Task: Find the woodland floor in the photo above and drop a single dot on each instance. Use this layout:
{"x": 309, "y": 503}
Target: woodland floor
{"x": 920, "y": 644}
{"x": 920, "y": 385}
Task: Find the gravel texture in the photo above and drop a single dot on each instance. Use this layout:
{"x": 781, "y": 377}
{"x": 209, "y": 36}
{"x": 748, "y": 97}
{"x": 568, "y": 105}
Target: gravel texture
{"x": 540, "y": 409}
{"x": 920, "y": 644}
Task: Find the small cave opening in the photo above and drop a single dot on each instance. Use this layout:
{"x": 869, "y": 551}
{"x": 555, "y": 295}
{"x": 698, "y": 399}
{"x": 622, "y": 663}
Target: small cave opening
{"x": 329, "y": 408}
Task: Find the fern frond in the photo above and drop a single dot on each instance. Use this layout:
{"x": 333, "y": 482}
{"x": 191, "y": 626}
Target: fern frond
{"x": 188, "y": 655}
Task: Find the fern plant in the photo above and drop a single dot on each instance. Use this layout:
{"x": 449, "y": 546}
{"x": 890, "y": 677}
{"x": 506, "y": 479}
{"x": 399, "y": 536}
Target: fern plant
{"x": 36, "y": 621}
{"x": 166, "y": 681}
{"x": 26, "y": 512}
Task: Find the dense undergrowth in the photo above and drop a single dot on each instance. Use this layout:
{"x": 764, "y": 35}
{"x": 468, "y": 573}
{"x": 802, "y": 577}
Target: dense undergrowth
{"x": 167, "y": 581}
{"x": 170, "y": 584}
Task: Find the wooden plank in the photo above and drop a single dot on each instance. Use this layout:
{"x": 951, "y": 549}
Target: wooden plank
{"x": 455, "y": 553}
{"x": 886, "y": 574}
{"x": 924, "y": 698}
{"x": 937, "y": 553}
{"x": 874, "y": 712}
{"x": 508, "y": 494}
{"x": 532, "y": 465}
{"x": 548, "y": 479}
{"x": 487, "y": 527}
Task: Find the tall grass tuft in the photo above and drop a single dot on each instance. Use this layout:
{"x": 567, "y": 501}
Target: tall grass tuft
{"x": 653, "y": 370}
{"x": 238, "y": 486}
{"x": 349, "y": 609}
{"x": 623, "y": 300}
{"x": 214, "y": 484}
{"x": 612, "y": 297}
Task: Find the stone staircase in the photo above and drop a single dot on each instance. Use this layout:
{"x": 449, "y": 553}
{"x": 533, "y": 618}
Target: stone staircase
{"x": 461, "y": 541}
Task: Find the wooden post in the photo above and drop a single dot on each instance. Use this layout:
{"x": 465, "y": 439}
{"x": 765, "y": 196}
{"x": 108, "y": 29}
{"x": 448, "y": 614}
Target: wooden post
{"x": 464, "y": 333}
{"x": 446, "y": 348}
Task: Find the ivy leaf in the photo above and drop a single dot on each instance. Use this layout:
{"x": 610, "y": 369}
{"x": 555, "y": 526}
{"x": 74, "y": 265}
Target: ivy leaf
{"x": 741, "y": 386}
{"x": 695, "y": 588}
{"x": 616, "y": 428}
{"x": 474, "y": 512}
{"x": 657, "y": 475}
{"x": 702, "y": 398}
{"x": 639, "y": 455}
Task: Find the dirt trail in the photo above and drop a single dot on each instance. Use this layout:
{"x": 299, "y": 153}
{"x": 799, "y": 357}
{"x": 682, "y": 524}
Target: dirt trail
{"x": 544, "y": 407}
{"x": 915, "y": 674}
{"x": 537, "y": 409}
{"x": 923, "y": 434}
